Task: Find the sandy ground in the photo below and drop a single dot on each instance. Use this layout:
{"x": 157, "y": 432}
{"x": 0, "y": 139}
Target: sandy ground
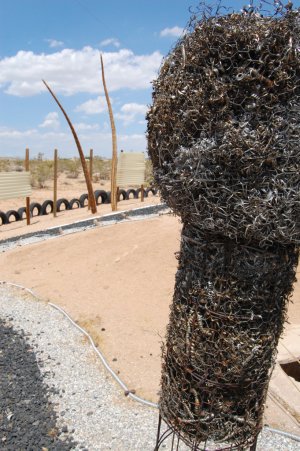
{"x": 118, "y": 278}
{"x": 117, "y": 282}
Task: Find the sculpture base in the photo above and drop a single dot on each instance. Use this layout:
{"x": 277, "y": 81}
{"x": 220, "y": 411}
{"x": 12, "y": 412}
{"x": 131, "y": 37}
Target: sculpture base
{"x": 171, "y": 440}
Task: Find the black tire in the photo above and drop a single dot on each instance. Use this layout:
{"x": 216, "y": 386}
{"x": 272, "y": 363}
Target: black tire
{"x": 100, "y": 194}
{"x": 131, "y": 191}
{"x": 74, "y": 202}
{"x": 61, "y": 202}
{"x": 13, "y": 213}
{"x": 45, "y": 207}
{"x": 3, "y": 218}
{"x": 84, "y": 200}
{"x": 122, "y": 193}
{"x": 35, "y": 206}
{"x": 108, "y": 199}
{"x": 21, "y": 212}
{"x": 151, "y": 190}
{"x": 139, "y": 193}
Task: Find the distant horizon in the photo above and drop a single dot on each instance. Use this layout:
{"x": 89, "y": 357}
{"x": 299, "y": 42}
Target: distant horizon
{"x": 49, "y": 157}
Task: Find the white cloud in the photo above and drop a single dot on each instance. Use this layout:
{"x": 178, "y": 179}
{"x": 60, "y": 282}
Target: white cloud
{"x": 6, "y": 132}
{"x": 93, "y": 106}
{"x": 15, "y": 141}
{"x": 173, "y": 32}
{"x": 81, "y": 126}
{"x": 53, "y": 43}
{"x": 110, "y": 41}
{"x": 72, "y": 71}
{"x": 51, "y": 121}
{"x": 130, "y": 111}
{"x": 134, "y": 108}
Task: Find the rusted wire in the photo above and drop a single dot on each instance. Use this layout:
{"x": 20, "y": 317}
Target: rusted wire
{"x": 223, "y": 136}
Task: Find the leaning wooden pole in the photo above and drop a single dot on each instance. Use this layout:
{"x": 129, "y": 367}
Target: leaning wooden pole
{"x": 83, "y": 162}
{"x": 114, "y": 159}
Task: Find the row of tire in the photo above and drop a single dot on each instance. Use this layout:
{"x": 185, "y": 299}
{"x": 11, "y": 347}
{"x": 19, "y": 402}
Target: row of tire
{"x": 101, "y": 197}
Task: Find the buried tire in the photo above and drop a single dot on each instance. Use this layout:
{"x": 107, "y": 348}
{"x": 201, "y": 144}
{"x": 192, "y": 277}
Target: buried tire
{"x": 131, "y": 191}
{"x": 3, "y": 218}
{"x": 45, "y": 207}
{"x": 35, "y": 206}
{"x": 74, "y": 204}
{"x": 12, "y": 213}
{"x": 21, "y": 212}
{"x": 83, "y": 199}
{"x": 151, "y": 190}
{"x": 139, "y": 192}
{"x": 122, "y": 193}
{"x": 61, "y": 202}
{"x": 99, "y": 193}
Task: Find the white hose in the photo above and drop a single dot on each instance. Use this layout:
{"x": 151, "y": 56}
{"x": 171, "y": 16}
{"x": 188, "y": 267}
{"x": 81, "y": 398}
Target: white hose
{"x": 115, "y": 376}
{"x": 285, "y": 434}
{"x": 102, "y": 358}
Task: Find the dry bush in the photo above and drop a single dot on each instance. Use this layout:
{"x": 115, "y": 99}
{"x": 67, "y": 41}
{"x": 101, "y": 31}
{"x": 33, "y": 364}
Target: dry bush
{"x": 11, "y": 164}
{"x": 92, "y": 327}
{"x": 41, "y": 172}
{"x": 72, "y": 167}
{"x": 101, "y": 169}
{"x": 4, "y": 165}
{"x": 149, "y": 173}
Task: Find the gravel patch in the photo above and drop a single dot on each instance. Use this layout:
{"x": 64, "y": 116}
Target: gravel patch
{"x": 27, "y": 416}
{"x": 65, "y": 388}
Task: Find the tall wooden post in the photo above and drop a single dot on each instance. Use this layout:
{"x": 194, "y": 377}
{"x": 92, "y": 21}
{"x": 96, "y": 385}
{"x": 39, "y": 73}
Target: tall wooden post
{"x": 117, "y": 194}
{"x": 27, "y": 198}
{"x": 91, "y": 173}
{"x": 55, "y": 183}
{"x": 114, "y": 159}
{"x": 142, "y": 193}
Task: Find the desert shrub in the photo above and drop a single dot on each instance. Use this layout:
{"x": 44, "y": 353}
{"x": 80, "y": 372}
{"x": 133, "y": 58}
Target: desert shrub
{"x": 41, "y": 172}
{"x": 74, "y": 169}
{"x": 4, "y": 165}
{"x": 149, "y": 173}
{"x": 101, "y": 169}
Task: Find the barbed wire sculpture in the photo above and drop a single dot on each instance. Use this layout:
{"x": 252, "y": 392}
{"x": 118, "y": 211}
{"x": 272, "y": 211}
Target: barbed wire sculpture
{"x": 223, "y": 136}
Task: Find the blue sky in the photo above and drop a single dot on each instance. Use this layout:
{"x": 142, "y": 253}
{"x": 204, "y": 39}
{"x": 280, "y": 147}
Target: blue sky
{"x": 60, "y": 41}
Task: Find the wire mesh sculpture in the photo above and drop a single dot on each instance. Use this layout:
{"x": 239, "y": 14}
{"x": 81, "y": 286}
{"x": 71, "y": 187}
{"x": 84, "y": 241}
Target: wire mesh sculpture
{"x": 223, "y": 137}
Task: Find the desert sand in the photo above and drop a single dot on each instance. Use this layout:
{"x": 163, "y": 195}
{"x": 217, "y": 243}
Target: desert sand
{"x": 117, "y": 282}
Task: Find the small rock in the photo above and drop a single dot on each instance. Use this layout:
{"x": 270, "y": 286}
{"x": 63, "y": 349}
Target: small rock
{"x": 127, "y": 392}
